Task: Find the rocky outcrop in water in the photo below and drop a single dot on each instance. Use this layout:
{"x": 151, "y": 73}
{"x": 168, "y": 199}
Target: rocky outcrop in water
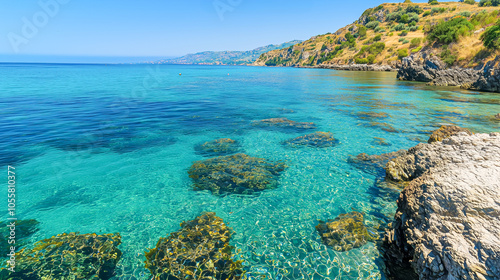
{"x": 356, "y": 67}
{"x": 423, "y": 67}
{"x": 317, "y": 139}
{"x": 239, "y": 173}
{"x": 199, "y": 250}
{"x": 446, "y": 131}
{"x": 344, "y": 233}
{"x": 447, "y": 225}
{"x": 68, "y": 256}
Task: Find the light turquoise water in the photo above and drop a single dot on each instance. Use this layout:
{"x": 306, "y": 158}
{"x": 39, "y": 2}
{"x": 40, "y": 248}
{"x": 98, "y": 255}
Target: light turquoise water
{"x": 107, "y": 148}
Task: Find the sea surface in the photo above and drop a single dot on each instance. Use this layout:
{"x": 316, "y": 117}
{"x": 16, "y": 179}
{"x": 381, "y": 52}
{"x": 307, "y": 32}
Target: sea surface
{"x": 106, "y": 148}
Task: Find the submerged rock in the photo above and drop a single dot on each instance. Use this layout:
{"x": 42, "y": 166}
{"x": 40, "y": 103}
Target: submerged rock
{"x": 497, "y": 116}
{"x": 446, "y": 131}
{"x": 23, "y": 230}
{"x": 69, "y": 256}
{"x": 317, "y": 139}
{"x": 219, "y": 147}
{"x": 284, "y": 123}
{"x": 372, "y": 115}
{"x": 380, "y": 125}
{"x": 373, "y": 164}
{"x": 380, "y": 141}
{"x": 199, "y": 250}
{"x": 447, "y": 225}
{"x": 237, "y": 173}
{"x": 344, "y": 233}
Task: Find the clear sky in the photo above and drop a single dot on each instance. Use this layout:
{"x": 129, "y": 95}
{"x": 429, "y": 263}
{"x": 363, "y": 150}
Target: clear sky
{"x": 58, "y": 30}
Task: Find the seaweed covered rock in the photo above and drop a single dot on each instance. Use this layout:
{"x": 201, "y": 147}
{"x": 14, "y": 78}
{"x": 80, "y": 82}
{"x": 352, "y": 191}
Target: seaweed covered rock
{"x": 446, "y": 131}
{"x": 199, "y": 250}
{"x": 317, "y": 139}
{"x": 344, "y": 233}
{"x": 69, "y": 256}
{"x": 219, "y": 147}
{"x": 237, "y": 173}
{"x": 22, "y": 228}
{"x": 373, "y": 164}
{"x": 285, "y": 123}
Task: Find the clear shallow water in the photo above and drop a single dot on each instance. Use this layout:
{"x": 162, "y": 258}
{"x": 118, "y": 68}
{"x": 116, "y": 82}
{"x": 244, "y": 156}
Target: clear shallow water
{"x": 107, "y": 148}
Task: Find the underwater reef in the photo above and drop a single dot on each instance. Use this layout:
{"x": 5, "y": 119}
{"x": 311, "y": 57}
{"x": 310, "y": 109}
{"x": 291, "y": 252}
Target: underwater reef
{"x": 23, "y": 230}
{"x": 285, "y": 124}
{"x": 373, "y": 164}
{"x": 199, "y": 250}
{"x": 239, "y": 173}
{"x": 344, "y": 233}
{"x": 446, "y": 131}
{"x": 218, "y": 147}
{"x": 317, "y": 139}
{"x": 68, "y": 256}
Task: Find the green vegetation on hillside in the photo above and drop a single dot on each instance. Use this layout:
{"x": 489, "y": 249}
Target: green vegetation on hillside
{"x": 458, "y": 33}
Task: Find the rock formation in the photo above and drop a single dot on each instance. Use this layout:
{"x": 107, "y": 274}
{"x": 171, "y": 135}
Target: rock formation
{"x": 446, "y": 131}
{"x": 447, "y": 225}
{"x": 317, "y": 139}
{"x": 237, "y": 173}
{"x": 344, "y": 233}
{"x": 199, "y": 250}
{"x": 69, "y": 256}
{"x": 423, "y": 67}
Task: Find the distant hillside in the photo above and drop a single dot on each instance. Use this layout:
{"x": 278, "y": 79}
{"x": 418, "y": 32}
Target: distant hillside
{"x": 389, "y": 32}
{"x": 227, "y": 57}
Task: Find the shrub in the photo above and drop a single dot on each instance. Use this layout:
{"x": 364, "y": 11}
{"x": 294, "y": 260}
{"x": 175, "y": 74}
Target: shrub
{"x": 415, "y": 42}
{"x": 413, "y": 28}
{"x": 470, "y": 2}
{"x": 449, "y": 31}
{"x": 398, "y": 27}
{"x": 484, "y": 18}
{"x": 465, "y": 14}
{"x": 404, "y": 33}
{"x": 436, "y": 10}
{"x": 362, "y": 31}
{"x": 416, "y": 50}
{"x": 379, "y": 29}
{"x": 372, "y": 24}
{"x": 401, "y": 39}
{"x": 447, "y": 57}
{"x": 405, "y": 41}
{"x": 491, "y": 37}
{"x": 370, "y": 52}
{"x": 485, "y": 3}
{"x": 426, "y": 13}
{"x": 402, "y": 53}
{"x": 377, "y": 38}
{"x": 414, "y": 9}
{"x": 433, "y": 2}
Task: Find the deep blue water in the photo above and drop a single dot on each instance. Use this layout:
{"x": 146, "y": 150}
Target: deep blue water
{"x": 106, "y": 148}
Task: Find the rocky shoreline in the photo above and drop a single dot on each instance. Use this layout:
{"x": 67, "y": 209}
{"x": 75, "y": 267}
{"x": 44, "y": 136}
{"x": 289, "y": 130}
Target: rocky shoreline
{"x": 423, "y": 67}
{"x": 355, "y": 67}
{"x": 447, "y": 225}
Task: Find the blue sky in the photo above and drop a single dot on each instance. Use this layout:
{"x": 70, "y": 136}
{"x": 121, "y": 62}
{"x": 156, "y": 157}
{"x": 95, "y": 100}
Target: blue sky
{"x": 56, "y": 30}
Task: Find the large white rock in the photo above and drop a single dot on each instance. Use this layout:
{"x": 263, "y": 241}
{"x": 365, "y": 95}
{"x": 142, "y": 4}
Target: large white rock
{"x": 448, "y": 219}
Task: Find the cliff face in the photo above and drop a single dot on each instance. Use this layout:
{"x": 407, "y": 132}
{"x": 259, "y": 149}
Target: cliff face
{"x": 423, "y": 67}
{"x": 447, "y": 225}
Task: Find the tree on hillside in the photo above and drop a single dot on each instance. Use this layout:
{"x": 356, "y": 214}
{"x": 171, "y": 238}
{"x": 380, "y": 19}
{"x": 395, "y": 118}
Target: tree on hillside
{"x": 485, "y": 3}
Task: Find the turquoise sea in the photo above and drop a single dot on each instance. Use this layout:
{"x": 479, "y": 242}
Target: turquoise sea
{"x": 106, "y": 148}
